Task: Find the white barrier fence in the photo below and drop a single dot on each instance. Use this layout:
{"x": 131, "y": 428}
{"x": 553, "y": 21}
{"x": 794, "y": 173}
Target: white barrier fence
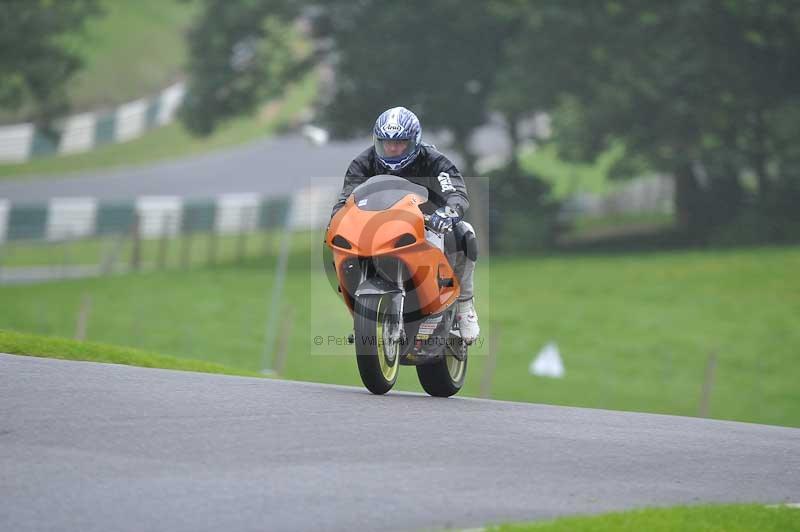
{"x": 83, "y": 132}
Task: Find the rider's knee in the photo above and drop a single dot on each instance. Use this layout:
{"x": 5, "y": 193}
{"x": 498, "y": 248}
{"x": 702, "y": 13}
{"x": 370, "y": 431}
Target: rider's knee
{"x": 465, "y": 240}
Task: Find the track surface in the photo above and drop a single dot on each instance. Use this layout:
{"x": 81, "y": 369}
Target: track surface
{"x": 98, "y": 447}
{"x": 272, "y": 166}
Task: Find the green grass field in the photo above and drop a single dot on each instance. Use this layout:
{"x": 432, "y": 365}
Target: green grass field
{"x": 635, "y": 331}
{"x": 134, "y": 49}
{"x": 728, "y": 518}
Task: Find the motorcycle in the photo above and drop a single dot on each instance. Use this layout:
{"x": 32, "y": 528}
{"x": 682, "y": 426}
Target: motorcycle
{"x": 398, "y": 285}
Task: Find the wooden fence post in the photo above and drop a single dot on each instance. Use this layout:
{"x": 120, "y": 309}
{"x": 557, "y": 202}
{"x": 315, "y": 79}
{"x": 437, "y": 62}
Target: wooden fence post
{"x": 708, "y": 384}
{"x": 284, "y": 336}
{"x": 491, "y": 362}
{"x": 136, "y": 244}
{"x": 82, "y": 323}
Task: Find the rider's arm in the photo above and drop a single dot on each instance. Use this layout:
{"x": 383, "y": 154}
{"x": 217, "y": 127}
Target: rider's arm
{"x": 355, "y": 175}
{"x": 451, "y": 185}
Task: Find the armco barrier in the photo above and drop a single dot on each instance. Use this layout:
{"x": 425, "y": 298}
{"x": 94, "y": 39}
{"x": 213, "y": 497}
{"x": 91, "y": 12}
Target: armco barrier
{"x": 63, "y": 219}
{"x": 76, "y": 237}
{"x": 85, "y": 131}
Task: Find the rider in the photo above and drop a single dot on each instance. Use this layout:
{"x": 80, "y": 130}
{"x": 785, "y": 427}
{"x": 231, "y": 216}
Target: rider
{"x": 398, "y": 150}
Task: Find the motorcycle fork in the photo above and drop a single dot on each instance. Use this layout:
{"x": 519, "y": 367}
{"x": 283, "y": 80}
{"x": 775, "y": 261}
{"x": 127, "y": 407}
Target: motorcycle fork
{"x": 396, "y": 326}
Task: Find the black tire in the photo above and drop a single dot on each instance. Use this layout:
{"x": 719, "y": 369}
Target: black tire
{"x": 377, "y": 368}
{"x": 444, "y": 377}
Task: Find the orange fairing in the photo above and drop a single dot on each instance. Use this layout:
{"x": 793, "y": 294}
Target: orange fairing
{"x": 389, "y": 233}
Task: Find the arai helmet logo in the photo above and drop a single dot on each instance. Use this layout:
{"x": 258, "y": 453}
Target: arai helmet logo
{"x": 392, "y": 128}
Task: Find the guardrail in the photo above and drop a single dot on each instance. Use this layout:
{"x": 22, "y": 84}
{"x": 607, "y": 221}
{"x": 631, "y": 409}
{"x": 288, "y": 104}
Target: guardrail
{"x": 80, "y": 236}
{"x": 85, "y": 131}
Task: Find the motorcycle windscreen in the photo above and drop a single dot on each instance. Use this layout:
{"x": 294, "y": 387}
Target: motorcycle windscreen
{"x": 382, "y": 191}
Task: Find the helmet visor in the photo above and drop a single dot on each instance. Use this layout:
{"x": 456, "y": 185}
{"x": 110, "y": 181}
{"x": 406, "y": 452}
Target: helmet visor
{"x": 394, "y": 149}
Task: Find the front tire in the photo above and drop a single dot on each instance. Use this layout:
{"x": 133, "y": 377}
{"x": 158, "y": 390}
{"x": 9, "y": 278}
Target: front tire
{"x": 378, "y": 359}
{"x": 444, "y": 377}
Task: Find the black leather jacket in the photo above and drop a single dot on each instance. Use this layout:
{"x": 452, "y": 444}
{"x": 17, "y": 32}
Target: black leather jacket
{"x": 425, "y": 170}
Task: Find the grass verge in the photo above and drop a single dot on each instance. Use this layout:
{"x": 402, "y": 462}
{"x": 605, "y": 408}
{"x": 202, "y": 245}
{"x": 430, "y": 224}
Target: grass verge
{"x": 16, "y": 343}
{"x": 724, "y": 518}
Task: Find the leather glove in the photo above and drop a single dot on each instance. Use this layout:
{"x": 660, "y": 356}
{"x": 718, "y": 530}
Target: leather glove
{"x": 443, "y": 220}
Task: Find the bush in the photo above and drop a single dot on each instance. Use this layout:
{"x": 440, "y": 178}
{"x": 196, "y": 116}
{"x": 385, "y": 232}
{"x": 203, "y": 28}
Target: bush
{"x": 522, "y": 216}
{"x": 775, "y": 220}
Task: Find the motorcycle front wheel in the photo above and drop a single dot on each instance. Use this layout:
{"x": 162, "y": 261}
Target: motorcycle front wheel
{"x": 378, "y": 357}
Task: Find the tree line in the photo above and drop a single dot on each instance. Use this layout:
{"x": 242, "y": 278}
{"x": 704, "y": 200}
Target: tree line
{"x": 706, "y": 91}
{"x": 36, "y": 55}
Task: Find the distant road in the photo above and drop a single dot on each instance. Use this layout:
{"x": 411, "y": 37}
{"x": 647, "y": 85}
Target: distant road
{"x": 270, "y": 166}
{"x": 97, "y": 447}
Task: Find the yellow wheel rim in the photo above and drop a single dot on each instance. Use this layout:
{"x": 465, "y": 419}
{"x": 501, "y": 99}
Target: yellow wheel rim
{"x": 455, "y": 367}
{"x": 388, "y": 370}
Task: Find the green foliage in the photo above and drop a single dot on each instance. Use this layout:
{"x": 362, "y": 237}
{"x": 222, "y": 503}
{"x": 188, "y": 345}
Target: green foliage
{"x": 436, "y": 58}
{"x": 523, "y": 217}
{"x": 567, "y": 177}
{"x": 690, "y": 89}
{"x": 705, "y": 91}
{"x": 240, "y": 55}
{"x": 699, "y": 90}
{"x": 35, "y": 62}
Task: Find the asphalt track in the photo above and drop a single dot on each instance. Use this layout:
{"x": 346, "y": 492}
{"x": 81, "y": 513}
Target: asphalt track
{"x": 98, "y": 447}
{"x": 270, "y": 166}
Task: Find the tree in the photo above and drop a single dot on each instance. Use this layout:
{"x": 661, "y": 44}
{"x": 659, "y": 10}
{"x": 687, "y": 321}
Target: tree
{"x": 699, "y": 89}
{"x": 436, "y": 58}
{"x": 35, "y": 59}
{"x": 704, "y": 90}
{"x": 240, "y": 54}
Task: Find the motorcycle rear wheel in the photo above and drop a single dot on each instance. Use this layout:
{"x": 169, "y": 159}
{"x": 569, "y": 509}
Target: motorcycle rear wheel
{"x": 378, "y": 359}
{"x": 444, "y": 377}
